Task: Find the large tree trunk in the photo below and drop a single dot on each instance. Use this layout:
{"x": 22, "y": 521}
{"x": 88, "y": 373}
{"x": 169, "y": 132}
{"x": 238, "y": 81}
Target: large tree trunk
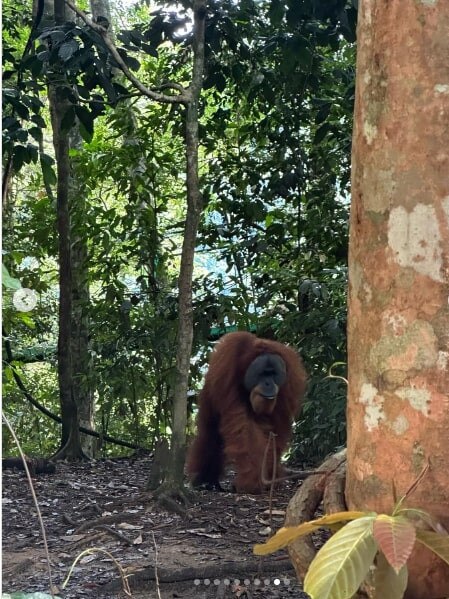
{"x": 398, "y": 412}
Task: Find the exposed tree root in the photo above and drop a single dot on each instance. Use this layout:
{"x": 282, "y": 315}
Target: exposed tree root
{"x": 71, "y": 451}
{"x": 328, "y": 487}
{"x": 41, "y": 408}
{"x": 173, "y": 498}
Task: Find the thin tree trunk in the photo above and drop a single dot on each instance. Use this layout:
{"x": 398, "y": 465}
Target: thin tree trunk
{"x": 81, "y": 362}
{"x": 80, "y": 327}
{"x": 70, "y": 437}
{"x": 101, "y": 8}
{"x": 194, "y": 209}
{"x": 80, "y": 292}
{"x": 398, "y": 341}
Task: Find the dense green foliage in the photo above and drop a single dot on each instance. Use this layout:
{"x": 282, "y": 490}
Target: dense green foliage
{"x": 275, "y": 151}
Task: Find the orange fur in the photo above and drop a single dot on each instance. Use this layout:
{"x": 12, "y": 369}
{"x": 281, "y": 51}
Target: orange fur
{"x": 228, "y": 429}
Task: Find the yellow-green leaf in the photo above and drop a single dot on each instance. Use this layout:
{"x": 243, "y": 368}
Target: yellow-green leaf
{"x": 287, "y": 535}
{"x": 437, "y": 543}
{"x": 342, "y": 563}
{"x": 417, "y": 514}
{"x": 395, "y": 536}
{"x": 387, "y": 583}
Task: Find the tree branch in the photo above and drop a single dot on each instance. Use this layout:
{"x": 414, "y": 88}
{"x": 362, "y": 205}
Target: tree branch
{"x": 184, "y": 96}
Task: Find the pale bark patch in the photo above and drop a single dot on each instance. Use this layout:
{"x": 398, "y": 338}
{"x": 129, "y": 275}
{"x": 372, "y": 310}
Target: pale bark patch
{"x": 400, "y": 425}
{"x": 445, "y": 203}
{"x": 382, "y": 185}
{"x": 415, "y": 240}
{"x": 395, "y": 322}
{"x": 361, "y": 468}
{"x": 443, "y": 360}
{"x": 370, "y": 132}
{"x": 373, "y": 402}
{"x": 419, "y": 399}
{"x": 441, "y": 88}
{"x": 415, "y": 349}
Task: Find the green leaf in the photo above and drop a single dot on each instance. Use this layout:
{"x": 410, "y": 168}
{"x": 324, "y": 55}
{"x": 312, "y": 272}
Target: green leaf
{"x": 304, "y": 56}
{"x": 21, "y": 110}
{"x": 8, "y": 281}
{"x": 286, "y": 535}
{"x": 150, "y": 50}
{"x": 36, "y": 66}
{"x": 47, "y": 158}
{"x": 321, "y": 133}
{"x": 342, "y": 563}
{"x": 36, "y": 133}
{"x": 19, "y": 157}
{"x": 86, "y": 122}
{"x": 85, "y": 134}
{"x": 436, "y": 542}
{"x": 44, "y": 55}
{"x": 323, "y": 113}
{"x": 276, "y": 12}
{"x": 131, "y": 62}
{"x": 27, "y": 320}
{"x": 8, "y": 373}
{"x": 10, "y": 122}
{"x": 387, "y": 583}
{"x": 67, "y": 50}
{"x": 38, "y": 120}
{"x": 32, "y": 153}
{"x": 68, "y": 120}
{"x": 48, "y": 173}
{"x": 8, "y": 74}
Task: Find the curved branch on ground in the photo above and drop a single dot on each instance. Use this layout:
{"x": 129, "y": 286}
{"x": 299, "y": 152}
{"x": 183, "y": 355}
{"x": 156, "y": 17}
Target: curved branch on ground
{"x": 54, "y": 417}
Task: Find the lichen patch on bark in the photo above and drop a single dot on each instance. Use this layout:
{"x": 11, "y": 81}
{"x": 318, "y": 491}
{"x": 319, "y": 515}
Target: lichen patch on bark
{"x": 441, "y": 88}
{"x": 400, "y": 425}
{"x": 415, "y": 349}
{"x": 419, "y": 399}
{"x": 415, "y": 240}
{"x": 373, "y": 402}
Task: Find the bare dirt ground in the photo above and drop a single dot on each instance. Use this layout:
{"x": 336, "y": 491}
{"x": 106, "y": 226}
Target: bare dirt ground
{"x": 102, "y": 504}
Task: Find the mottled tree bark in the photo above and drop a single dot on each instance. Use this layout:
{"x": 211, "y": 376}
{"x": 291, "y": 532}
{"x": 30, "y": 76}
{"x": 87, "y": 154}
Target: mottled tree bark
{"x": 398, "y": 330}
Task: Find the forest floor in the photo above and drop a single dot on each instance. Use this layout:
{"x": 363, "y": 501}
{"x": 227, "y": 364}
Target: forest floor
{"x": 205, "y": 553}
